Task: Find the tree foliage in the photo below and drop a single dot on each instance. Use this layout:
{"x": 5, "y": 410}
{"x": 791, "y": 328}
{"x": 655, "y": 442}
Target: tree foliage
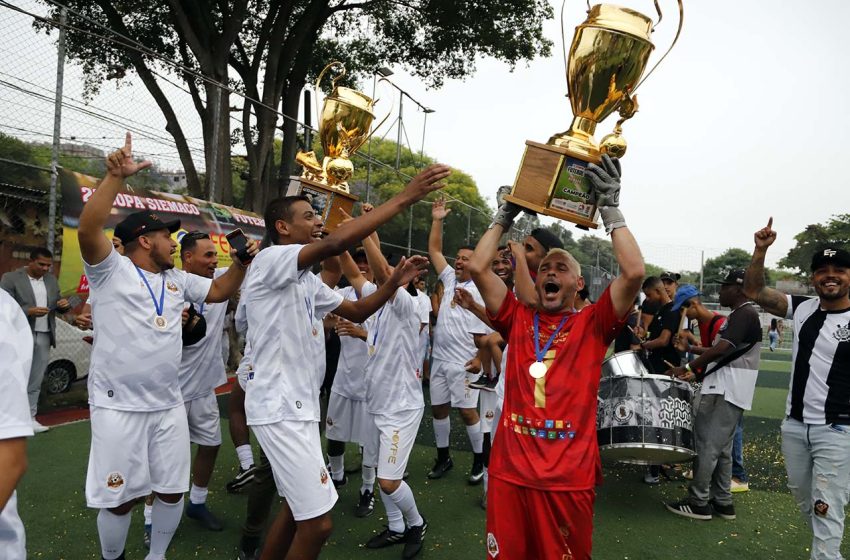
{"x": 719, "y": 266}
{"x": 834, "y": 232}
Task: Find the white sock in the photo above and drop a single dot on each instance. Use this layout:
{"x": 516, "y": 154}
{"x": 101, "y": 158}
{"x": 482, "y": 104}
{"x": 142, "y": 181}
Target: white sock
{"x": 148, "y": 513}
{"x": 368, "y": 475}
{"x": 441, "y": 431}
{"x": 246, "y": 456}
{"x": 404, "y": 500}
{"x": 112, "y": 530}
{"x": 198, "y": 495}
{"x": 166, "y": 518}
{"x": 486, "y": 478}
{"x": 476, "y": 437}
{"x": 337, "y": 466}
{"x": 395, "y": 519}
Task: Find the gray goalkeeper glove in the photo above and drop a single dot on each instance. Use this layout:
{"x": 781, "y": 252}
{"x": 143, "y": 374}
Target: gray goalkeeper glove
{"x": 605, "y": 191}
{"x": 506, "y": 214}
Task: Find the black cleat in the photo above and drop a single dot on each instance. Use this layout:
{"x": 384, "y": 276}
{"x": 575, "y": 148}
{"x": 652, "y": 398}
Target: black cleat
{"x": 413, "y": 539}
{"x": 725, "y": 511}
{"x": 386, "y": 538}
{"x": 476, "y": 475}
{"x": 441, "y": 468}
{"x": 146, "y": 538}
{"x": 200, "y": 513}
{"x": 366, "y": 505}
{"x": 241, "y": 480}
{"x": 340, "y": 483}
{"x": 484, "y": 383}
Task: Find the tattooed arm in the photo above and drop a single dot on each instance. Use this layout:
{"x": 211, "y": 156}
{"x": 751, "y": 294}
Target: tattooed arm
{"x": 772, "y": 301}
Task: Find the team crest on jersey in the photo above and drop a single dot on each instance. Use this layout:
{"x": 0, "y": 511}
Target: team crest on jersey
{"x": 115, "y": 481}
{"x": 323, "y": 476}
{"x": 492, "y": 545}
{"x": 842, "y": 333}
{"x": 171, "y": 287}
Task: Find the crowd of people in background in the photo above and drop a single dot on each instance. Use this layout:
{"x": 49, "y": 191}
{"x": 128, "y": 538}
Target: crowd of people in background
{"x": 508, "y": 336}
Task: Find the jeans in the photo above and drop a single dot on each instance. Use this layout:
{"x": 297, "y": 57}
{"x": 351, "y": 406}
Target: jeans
{"x": 714, "y": 428}
{"x": 774, "y": 338}
{"x": 817, "y": 458}
{"x": 738, "y": 470}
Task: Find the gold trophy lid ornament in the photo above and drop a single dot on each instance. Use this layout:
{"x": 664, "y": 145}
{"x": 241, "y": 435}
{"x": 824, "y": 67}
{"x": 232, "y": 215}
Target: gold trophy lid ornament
{"x": 604, "y": 68}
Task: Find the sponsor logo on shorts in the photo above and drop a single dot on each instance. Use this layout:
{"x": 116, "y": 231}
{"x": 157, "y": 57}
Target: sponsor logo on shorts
{"x": 492, "y": 545}
{"x": 394, "y": 448}
{"x": 115, "y": 480}
{"x": 489, "y": 415}
{"x": 298, "y": 405}
{"x": 329, "y": 421}
{"x": 323, "y": 476}
{"x": 821, "y": 508}
{"x": 110, "y": 393}
{"x": 171, "y": 287}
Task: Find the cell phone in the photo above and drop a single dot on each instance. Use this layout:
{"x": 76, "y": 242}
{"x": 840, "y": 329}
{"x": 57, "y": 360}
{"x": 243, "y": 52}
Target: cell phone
{"x": 238, "y": 241}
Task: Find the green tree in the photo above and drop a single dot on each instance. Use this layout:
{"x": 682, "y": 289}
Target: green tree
{"x": 834, "y": 232}
{"x": 730, "y": 258}
{"x": 275, "y": 47}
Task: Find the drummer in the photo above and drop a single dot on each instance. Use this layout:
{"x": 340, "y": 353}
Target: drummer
{"x": 728, "y": 372}
{"x": 545, "y": 462}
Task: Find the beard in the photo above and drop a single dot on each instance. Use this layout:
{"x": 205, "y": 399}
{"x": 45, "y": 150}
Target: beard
{"x": 840, "y": 293}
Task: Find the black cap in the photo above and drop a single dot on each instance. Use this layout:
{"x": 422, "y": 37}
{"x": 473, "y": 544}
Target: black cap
{"x": 670, "y": 276}
{"x": 734, "y": 277}
{"x": 140, "y": 223}
{"x": 546, "y": 238}
{"x": 830, "y": 255}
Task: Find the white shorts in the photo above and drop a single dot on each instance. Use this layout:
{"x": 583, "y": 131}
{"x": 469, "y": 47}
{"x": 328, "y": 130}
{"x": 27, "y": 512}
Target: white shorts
{"x": 487, "y": 402}
{"x": 294, "y": 451}
{"x": 204, "y": 421}
{"x": 347, "y": 420}
{"x": 394, "y": 437}
{"x": 450, "y": 384}
{"x": 136, "y": 453}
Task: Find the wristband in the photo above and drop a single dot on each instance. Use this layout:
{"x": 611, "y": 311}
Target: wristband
{"x": 612, "y": 218}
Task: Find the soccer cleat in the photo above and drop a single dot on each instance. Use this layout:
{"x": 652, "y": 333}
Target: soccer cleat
{"x": 146, "y": 539}
{"x": 649, "y": 478}
{"x": 725, "y": 511}
{"x": 248, "y": 548}
{"x": 686, "y": 509}
{"x": 688, "y": 474}
{"x": 119, "y": 558}
{"x": 413, "y": 539}
{"x": 739, "y": 486}
{"x": 245, "y": 555}
{"x": 38, "y": 427}
{"x": 366, "y": 505}
{"x": 385, "y": 538}
{"x": 484, "y": 383}
{"x": 241, "y": 480}
{"x": 202, "y": 514}
{"x": 476, "y": 475}
{"x": 340, "y": 483}
{"x": 441, "y": 468}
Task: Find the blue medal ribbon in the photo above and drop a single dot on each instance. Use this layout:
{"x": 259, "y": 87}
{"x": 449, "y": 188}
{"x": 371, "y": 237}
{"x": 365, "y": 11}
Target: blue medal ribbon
{"x": 538, "y": 353}
{"x": 157, "y": 307}
{"x": 377, "y": 327}
{"x": 309, "y": 310}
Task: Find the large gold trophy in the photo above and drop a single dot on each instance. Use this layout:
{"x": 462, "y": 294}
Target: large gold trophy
{"x": 345, "y": 123}
{"x": 607, "y": 58}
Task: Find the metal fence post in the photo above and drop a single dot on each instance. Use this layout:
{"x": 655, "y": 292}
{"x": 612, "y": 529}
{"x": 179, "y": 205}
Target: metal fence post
{"x": 57, "y": 125}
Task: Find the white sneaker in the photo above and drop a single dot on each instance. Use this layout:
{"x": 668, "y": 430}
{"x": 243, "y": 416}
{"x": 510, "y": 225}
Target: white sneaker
{"x": 738, "y": 486}
{"x": 37, "y": 427}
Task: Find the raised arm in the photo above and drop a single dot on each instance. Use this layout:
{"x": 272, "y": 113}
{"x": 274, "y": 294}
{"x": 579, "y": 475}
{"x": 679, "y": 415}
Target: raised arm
{"x": 351, "y": 272}
{"x": 94, "y": 246}
{"x": 360, "y": 310}
{"x": 523, "y": 284}
{"x": 605, "y": 182}
{"x": 223, "y": 287}
{"x": 466, "y": 301}
{"x": 772, "y": 301}
{"x": 377, "y": 262}
{"x": 491, "y": 287}
{"x": 331, "y": 271}
{"x": 439, "y": 211}
{"x": 350, "y": 233}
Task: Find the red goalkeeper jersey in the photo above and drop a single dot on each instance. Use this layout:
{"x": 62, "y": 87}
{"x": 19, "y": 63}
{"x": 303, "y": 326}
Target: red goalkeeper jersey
{"x": 547, "y": 436}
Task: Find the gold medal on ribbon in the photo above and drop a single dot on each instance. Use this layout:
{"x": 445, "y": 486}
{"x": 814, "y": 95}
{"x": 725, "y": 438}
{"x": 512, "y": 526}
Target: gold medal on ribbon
{"x": 537, "y": 370}
{"x": 371, "y": 350}
{"x": 315, "y": 331}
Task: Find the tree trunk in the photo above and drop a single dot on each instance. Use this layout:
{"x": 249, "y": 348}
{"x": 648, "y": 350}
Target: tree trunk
{"x": 291, "y": 100}
{"x": 216, "y": 127}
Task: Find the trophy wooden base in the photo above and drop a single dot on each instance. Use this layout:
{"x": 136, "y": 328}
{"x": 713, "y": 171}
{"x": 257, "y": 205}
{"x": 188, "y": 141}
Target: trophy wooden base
{"x": 551, "y": 181}
{"x": 327, "y": 201}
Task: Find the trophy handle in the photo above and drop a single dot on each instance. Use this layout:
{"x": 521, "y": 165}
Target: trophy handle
{"x": 673, "y": 44}
{"x": 317, "y": 86}
{"x": 380, "y": 124}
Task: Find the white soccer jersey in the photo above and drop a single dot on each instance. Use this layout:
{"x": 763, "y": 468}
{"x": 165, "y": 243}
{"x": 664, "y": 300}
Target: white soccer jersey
{"x": 452, "y": 339}
{"x": 423, "y": 306}
{"x": 349, "y": 380}
{"x": 202, "y": 366}
{"x": 394, "y": 370}
{"x": 284, "y": 306}
{"x": 819, "y": 392}
{"x": 15, "y": 421}
{"x": 135, "y": 363}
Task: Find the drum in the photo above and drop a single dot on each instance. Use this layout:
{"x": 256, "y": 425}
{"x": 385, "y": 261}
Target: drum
{"x": 643, "y": 419}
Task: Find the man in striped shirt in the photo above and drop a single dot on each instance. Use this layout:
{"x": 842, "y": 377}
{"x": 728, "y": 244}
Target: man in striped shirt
{"x": 816, "y": 429}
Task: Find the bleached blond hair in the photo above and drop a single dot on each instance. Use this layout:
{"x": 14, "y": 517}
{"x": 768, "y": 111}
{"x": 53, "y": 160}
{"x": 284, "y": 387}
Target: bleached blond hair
{"x": 571, "y": 260}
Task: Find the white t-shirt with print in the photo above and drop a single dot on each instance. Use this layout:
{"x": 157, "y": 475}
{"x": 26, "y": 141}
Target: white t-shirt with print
{"x": 349, "y": 380}
{"x": 394, "y": 370}
{"x": 202, "y": 366}
{"x": 134, "y": 364}
{"x": 453, "y": 340}
{"x": 284, "y": 307}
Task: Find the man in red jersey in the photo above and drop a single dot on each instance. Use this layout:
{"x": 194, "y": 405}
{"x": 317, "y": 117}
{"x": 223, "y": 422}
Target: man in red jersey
{"x": 545, "y": 463}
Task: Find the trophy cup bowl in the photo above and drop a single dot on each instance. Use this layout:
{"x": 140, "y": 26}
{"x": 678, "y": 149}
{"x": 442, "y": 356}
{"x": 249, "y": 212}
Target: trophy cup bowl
{"x": 344, "y": 126}
{"x": 607, "y": 58}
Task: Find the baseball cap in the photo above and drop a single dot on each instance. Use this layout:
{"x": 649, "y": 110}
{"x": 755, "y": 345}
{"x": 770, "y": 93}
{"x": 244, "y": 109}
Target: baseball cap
{"x": 546, "y": 238}
{"x": 670, "y": 276}
{"x": 683, "y": 294}
{"x": 734, "y": 276}
{"x": 140, "y": 223}
{"x": 830, "y": 255}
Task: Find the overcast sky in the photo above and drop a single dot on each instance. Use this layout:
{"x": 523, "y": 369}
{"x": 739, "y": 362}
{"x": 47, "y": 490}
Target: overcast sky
{"x": 745, "y": 119}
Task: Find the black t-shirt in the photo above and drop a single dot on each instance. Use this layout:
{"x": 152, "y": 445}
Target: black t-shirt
{"x": 664, "y": 319}
{"x": 626, "y": 336}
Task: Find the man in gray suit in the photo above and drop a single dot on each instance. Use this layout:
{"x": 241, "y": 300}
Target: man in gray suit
{"x": 37, "y": 292}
